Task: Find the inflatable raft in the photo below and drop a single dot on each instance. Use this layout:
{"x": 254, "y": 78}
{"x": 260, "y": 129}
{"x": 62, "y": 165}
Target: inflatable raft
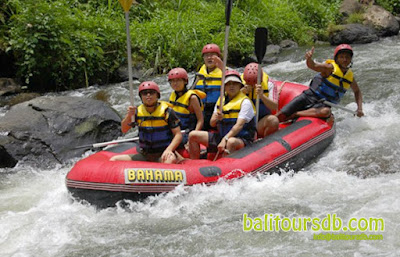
{"x": 103, "y": 183}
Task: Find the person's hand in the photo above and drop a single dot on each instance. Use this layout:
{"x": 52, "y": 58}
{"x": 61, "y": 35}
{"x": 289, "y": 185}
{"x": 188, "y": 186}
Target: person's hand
{"x": 167, "y": 154}
{"x": 310, "y": 53}
{"x": 218, "y": 62}
{"x": 259, "y": 90}
{"x": 221, "y": 146}
{"x": 246, "y": 89}
{"x": 219, "y": 116}
{"x": 131, "y": 111}
{"x": 130, "y": 116}
{"x": 360, "y": 113}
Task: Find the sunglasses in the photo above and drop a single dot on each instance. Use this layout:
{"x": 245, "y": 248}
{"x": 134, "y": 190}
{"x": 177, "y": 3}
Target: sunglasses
{"x": 146, "y": 92}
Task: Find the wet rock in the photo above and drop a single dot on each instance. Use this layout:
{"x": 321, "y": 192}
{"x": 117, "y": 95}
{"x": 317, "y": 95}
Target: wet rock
{"x": 6, "y": 159}
{"x": 273, "y": 50}
{"x": 8, "y": 86}
{"x": 350, "y": 6}
{"x": 123, "y": 73}
{"x": 288, "y": 44}
{"x": 354, "y": 33}
{"x": 46, "y": 130}
{"x": 383, "y": 21}
{"x": 18, "y": 98}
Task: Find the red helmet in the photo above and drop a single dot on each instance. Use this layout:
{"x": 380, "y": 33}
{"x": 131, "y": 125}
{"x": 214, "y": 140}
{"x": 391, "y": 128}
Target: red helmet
{"x": 250, "y": 73}
{"x": 211, "y": 48}
{"x": 232, "y": 75}
{"x": 178, "y": 73}
{"x": 149, "y": 85}
{"x": 342, "y": 48}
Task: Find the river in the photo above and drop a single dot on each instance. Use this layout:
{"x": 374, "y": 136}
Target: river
{"x": 355, "y": 178}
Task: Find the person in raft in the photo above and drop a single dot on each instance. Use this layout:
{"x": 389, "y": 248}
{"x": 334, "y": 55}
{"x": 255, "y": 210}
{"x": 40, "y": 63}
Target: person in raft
{"x": 208, "y": 80}
{"x": 186, "y": 103}
{"x": 159, "y": 127}
{"x": 236, "y": 122}
{"x": 333, "y": 80}
{"x": 267, "y": 123}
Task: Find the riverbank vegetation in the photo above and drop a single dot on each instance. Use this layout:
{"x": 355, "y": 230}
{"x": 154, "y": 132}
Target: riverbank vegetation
{"x": 67, "y": 44}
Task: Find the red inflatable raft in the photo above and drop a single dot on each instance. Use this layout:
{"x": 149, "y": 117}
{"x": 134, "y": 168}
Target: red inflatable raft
{"x": 103, "y": 183}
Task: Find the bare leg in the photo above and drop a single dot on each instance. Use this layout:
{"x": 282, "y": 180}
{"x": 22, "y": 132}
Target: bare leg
{"x": 234, "y": 144}
{"x": 171, "y": 159}
{"x": 323, "y": 112}
{"x": 267, "y": 125}
{"x": 195, "y": 139}
{"x": 121, "y": 157}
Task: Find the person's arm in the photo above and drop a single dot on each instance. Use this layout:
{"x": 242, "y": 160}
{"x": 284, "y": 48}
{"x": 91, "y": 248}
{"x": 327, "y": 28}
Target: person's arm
{"x": 176, "y": 140}
{"x": 358, "y": 97}
{"x": 246, "y": 114}
{"x": 324, "y": 68}
{"x": 194, "y": 106}
{"x": 236, "y": 128}
{"x": 218, "y": 62}
{"x": 173, "y": 123}
{"x": 217, "y": 116}
{"x": 125, "y": 123}
{"x": 272, "y": 105}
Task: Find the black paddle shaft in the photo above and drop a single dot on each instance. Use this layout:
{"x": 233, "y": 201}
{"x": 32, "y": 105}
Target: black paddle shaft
{"x": 228, "y": 10}
{"x": 260, "y": 43}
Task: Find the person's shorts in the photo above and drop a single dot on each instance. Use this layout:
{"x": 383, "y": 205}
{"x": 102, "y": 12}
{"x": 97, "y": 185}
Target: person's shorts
{"x": 214, "y": 139}
{"x": 185, "y": 139}
{"x": 149, "y": 157}
{"x": 304, "y": 101}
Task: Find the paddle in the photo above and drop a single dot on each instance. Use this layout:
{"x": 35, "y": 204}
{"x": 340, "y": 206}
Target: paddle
{"x": 260, "y": 47}
{"x": 228, "y": 10}
{"x": 126, "y": 5}
{"x": 340, "y": 107}
{"x": 96, "y": 145}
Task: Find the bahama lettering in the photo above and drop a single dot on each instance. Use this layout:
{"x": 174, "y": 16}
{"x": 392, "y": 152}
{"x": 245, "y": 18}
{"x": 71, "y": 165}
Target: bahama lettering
{"x": 159, "y": 176}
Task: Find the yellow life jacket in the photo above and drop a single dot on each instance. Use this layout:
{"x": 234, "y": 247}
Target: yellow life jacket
{"x": 181, "y": 107}
{"x": 264, "y": 110}
{"x": 230, "y": 112}
{"x": 209, "y": 83}
{"x": 335, "y": 86}
{"x": 154, "y": 133}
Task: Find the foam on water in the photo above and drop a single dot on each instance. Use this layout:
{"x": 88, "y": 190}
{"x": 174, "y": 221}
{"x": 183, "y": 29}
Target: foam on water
{"x": 200, "y": 220}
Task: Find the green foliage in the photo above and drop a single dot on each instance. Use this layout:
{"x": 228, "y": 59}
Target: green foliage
{"x": 61, "y": 44}
{"x": 355, "y": 18}
{"x": 392, "y": 6}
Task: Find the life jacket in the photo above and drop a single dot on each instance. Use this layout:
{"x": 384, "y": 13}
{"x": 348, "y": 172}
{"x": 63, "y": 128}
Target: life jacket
{"x": 333, "y": 87}
{"x": 230, "y": 112}
{"x": 210, "y": 84}
{"x": 263, "y": 110}
{"x": 154, "y": 133}
{"x": 181, "y": 107}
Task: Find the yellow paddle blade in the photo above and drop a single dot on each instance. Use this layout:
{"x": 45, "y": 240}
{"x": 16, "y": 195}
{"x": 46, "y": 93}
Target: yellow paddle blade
{"x": 126, "y": 4}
